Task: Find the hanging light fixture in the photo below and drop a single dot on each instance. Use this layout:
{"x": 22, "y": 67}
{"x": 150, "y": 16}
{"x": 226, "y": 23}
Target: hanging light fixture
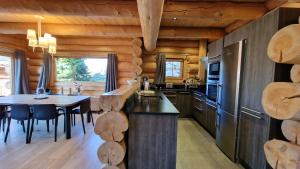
{"x": 46, "y": 42}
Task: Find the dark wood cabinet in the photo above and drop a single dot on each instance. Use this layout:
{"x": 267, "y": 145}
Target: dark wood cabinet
{"x": 211, "y": 111}
{"x": 255, "y": 127}
{"x": 183, "y": 104}
{"x": 199, "y": 109}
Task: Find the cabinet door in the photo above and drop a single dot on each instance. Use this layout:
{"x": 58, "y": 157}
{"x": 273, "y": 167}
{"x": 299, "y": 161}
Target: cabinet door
{"x": 252, "y": 137}
{"x": 199, "y": 109}
{"x": 183, "y": 104}
{"x": 211, "y": 119}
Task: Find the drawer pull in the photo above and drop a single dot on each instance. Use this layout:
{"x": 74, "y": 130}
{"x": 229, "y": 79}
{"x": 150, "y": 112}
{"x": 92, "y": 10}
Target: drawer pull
{"x": 251, "y": 110}
{"x": 252, "y": 115}
{"x": 198, "y": 108}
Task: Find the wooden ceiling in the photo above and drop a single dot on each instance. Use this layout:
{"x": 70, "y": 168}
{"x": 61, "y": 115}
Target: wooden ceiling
{"x": 209, "y": 19}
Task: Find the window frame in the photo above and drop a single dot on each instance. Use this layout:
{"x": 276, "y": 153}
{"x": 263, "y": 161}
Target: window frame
{"x": 181, "y": 68}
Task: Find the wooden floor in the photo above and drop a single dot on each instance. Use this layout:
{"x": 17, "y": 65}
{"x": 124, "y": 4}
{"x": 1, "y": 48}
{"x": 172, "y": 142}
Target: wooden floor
{"x": 196, "y": 149}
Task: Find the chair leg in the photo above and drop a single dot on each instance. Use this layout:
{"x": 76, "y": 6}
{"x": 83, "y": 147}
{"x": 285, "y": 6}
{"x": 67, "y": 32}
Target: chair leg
{"x": 71, "y": 119}
{"x": 52, "y": 122}
{"x": 64, "y": 123}
{"x": 37, "y": 122}
{"x": 0, "y": 123}
{"x": 47, "y": 125}
{"x": 91, "y": 114}
{"x": 55, "y": 129}
{"x": 74, "y": 118}
{"x": 3, "y": 124}
{"x": 27, "y": 132}
{"x": 82, "y": 120}
{"x": 23, "y": 125}
{"x": 31, "y": 130}
{"x": 7, "y": 130}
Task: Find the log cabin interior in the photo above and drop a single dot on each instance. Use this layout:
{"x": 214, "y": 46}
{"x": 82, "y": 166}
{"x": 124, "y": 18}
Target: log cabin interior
{"x": 149, "y": 84}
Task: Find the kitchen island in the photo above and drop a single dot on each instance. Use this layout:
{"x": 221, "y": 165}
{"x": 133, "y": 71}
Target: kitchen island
{"x": 152, "y": 136}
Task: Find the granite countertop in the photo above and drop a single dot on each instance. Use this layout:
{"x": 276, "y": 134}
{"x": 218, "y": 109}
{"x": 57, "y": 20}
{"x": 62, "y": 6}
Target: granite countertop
{"x": 157, "y": 104}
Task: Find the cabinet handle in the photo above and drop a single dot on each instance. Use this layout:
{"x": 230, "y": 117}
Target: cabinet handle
{"x": 251, "y": 110}
{"x": 199, "y": 109}
{"x": 252, "y": 115}
{"x": 198, "y": 99}
{"x": 211, "y": 105}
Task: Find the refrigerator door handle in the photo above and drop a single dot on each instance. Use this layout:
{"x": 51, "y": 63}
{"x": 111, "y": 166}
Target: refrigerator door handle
{"x": 219, "y": 92}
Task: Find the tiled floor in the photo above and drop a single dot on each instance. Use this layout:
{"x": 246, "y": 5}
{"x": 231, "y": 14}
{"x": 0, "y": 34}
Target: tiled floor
{"x": 196, "y": 149}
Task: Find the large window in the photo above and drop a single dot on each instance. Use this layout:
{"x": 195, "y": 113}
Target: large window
{"x": 81, "y": 69}
{"x": 5, "y": 76}
{"x": 174, "y": 68}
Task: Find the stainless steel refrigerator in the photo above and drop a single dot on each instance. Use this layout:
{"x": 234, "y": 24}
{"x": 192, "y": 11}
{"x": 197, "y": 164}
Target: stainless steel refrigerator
{"x": 228, "y": 98}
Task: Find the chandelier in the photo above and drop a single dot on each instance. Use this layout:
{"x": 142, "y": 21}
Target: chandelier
{"x": 46, "y": 42}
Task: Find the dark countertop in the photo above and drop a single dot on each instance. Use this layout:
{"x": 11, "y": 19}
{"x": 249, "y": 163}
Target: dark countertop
{"x": 158, "y": 104}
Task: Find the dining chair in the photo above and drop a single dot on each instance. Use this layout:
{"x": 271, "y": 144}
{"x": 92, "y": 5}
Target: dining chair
{"x": 45, "y": 112}
{"x": 20, "y": 112}
{"x": 84, "y": 108}
{"x": 2, "y": 118}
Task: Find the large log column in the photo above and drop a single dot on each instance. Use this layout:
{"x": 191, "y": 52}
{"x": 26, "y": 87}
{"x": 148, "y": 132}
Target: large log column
{"x": 150, "y": 12}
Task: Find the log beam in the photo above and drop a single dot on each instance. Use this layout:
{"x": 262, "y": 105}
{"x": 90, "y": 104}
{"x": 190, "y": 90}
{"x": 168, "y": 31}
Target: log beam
{"x": 272, "y": 4}
{"x": 215, "y": 10}
{"x": 71, "y": 8}
{"x": 235, "y": 25}
{"x": 190, "y": 33}
{"x": 150, "y": 12}
{"x": 73, "y": 30}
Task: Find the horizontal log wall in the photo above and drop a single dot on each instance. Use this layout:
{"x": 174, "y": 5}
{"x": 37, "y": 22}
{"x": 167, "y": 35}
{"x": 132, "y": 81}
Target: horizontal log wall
{"x": 92, "y": 48}
{"x": 188, "y": 50}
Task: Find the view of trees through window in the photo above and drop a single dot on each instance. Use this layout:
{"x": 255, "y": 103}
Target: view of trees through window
{"x": 174, "y": 68}
{"x": 81, "y": 69}
{"x": 5, "y": 76}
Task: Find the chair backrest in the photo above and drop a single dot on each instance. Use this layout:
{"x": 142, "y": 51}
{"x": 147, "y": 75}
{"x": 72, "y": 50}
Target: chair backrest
{"x": 20, "y": 111}
{"x": 85, "y": 106}
{"x": 44, "y": 112}
{"x": 2, "y": 112}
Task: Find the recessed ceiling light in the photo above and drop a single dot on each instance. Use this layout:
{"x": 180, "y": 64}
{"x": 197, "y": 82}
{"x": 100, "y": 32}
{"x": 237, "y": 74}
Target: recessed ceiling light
{"x": 174, "y": 18}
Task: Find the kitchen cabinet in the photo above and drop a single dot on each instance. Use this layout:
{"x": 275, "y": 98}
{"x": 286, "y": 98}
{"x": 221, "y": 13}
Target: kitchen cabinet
{"x": 183, "y": 104}
{"x": 211, "y": 111}
{"x": 199, "y": 109}
{"x": 171, "y": 95}
{"x": 255, "y": 127}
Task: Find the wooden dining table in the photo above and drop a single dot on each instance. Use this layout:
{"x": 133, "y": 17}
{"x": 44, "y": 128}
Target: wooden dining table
{"x": 67, "y": 103}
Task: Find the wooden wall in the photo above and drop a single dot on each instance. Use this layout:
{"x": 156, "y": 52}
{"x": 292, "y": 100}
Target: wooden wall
{"x": 93, "y": 48}
{"x": 188, "y": 50}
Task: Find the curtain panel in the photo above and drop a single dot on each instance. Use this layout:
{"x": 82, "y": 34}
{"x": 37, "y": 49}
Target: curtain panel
{"x": 111, "y": 73}
{"x": 21, "y": 77}
{"x": 45, "y": 75}
{"x": 160, "y": 74}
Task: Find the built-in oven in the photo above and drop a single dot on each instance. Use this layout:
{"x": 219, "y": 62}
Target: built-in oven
{"x": 213, "y": 75}
{"x": 213, "y": 72}
{"x": 212, "y": 91}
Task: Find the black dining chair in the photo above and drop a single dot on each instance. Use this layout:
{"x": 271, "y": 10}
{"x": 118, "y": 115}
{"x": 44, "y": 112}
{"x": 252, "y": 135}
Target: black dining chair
{"x": 2, "y": 117}
{"x": 45, "y": 112}
{"x": 20, "y": 112}
{"x": 84, "y": 108}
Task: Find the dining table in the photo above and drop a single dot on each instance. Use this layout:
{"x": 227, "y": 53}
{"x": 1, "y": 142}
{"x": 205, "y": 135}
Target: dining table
{"x": 67, "y": 103}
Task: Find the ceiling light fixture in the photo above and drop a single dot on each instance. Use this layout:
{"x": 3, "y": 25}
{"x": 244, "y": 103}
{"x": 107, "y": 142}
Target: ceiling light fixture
{"x": 37, "y": 40}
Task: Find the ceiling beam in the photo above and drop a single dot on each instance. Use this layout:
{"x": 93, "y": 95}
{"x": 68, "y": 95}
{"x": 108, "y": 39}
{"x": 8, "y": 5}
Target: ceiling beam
{"x": 235, "y": 25}
{"x": 150, "y": 12}
{"x": 190, "y": 33}
{"x": 71, "y": 8}
{"x": 73, "y": 30}
{"x": 216, "y": 10}
{"x": 111, "y": 31}
{"x": 272, "y": 4}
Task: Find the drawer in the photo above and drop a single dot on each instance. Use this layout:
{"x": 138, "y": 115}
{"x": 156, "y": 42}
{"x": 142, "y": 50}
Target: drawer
{"x": 198, "y": 103}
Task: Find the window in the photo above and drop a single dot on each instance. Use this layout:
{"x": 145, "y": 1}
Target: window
{"x": 81, "y": 69}
{"x": 174, "y": 68}
{"x": 5, "y": 76}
